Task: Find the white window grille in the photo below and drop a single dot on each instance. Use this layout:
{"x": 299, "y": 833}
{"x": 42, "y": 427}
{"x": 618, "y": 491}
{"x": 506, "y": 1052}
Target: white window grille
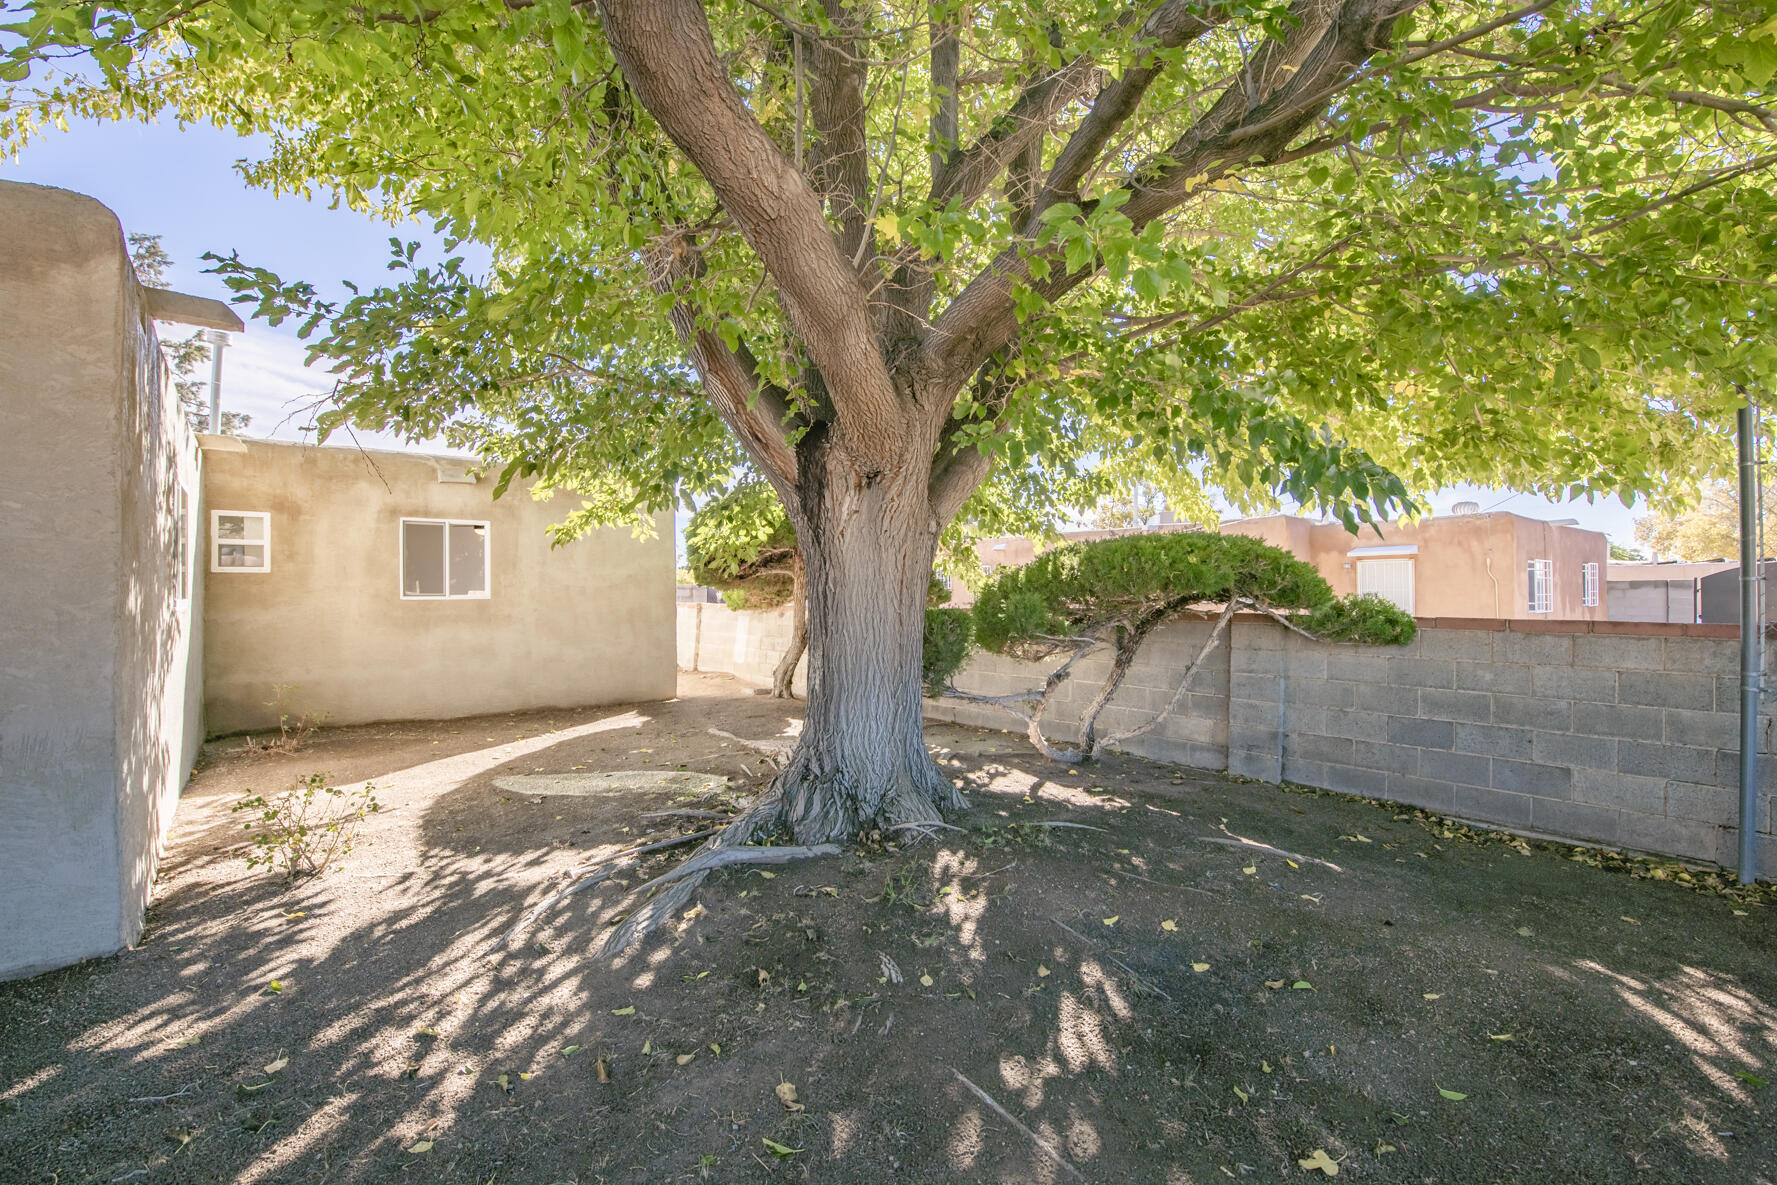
{"x": 443, "y": 559}
{"x": 1391, "y": 579}
{"x": 1589, "y": 585}
{"x": 240, "y": 541}
{"x": 1542, "y": 586}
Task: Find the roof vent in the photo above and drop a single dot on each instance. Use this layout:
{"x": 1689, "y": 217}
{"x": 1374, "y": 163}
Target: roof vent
{"x": 1564, "y": 522}
{"x": 1466, "y": 508}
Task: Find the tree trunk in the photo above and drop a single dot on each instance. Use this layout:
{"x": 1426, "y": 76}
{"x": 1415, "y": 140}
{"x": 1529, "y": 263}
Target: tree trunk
{"x": 785, "y": 675}
{"x": 867, "y": 544}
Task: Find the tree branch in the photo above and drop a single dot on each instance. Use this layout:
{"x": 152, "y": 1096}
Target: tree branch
{"x": 668, "y": 55}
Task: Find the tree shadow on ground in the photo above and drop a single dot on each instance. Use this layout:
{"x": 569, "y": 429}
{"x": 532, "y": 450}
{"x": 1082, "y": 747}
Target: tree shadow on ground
{"x": 1034, "y": 961}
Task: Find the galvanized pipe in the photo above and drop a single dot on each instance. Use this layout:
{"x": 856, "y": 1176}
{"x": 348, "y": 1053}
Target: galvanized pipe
{"x": 1751, "y": 642}
{"x": 216, "y": 339}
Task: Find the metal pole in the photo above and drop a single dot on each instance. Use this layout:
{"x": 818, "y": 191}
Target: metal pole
{"x": 1751, "y": 650}
{"x": 216, "y": 340}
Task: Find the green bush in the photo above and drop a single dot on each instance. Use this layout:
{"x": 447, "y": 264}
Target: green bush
{"x": 948, "y": 637}
{"x": 302, "y": 831}
{"x": 1367, "y": 618}
{"x": 1086, "y": 586}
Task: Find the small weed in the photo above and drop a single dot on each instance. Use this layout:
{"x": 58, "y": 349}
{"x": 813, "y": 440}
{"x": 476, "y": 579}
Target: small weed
{"x": 306, "y": 828}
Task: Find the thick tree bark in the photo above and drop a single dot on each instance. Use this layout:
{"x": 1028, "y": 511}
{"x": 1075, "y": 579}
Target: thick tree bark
{"x": 862, "y": 761}
{"x": 785, "y": 675}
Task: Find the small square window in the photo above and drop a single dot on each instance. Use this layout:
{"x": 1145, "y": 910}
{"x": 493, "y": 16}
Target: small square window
{"x": 240, "y": 541}
{"x": 443, "y": 559}
{"x": 1542, "y": 586}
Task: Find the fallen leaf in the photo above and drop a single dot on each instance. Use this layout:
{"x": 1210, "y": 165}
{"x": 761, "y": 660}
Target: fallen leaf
{"x": 523, "y": 1076}
{"x": 1169, "y": 925}
{"x": 1302, "y": 985}
{"x": 1525, "y": 931}
{"x": 925, "y": 980}
{"x": 715, "y": 1049}
{"x": 1042, "y": 971}
{"x": 1434, "y": 995}
{"x": 272, "y": 1067}
{"x": 1251, "y": 870}
{"x": 684, "y": 1059}
{"x": 246, "y": 1089}
{"x": 768, "y": 875}
{"x": 1630, "y": 920}
{"x": 504, "y": 1082}
{"x": 1455, "y": 1096}
{"x": 1264, "y": 1065}
{"x": 569, "y": 1051}
{"x": 786, "y": 1094}
{"x": 1292, "y": 864}
{"x": 1274, "y": 984}
{"x": 275, "y": 986}
{"x": 1112, "y": 920}
{"x": 603, "y": 1071}
{"x": 1200, "y": 967}
{"x": 1319, "y": 1160}
{"x": 1739, "y": 913}
{"x": 1243, "y": 1095}
{"x": 301, "y": 913}
{"x": 1751, "y": 1079}
{"x": 764, "y": 975}
{"x": 1381, "y": 1148}
{"x": 647, "y": 1047}
{"x": 780, "y": 1149}
{"x": 420, "y": 1146}
{"x": 630, "y": 1011}
{"x": 1500, "y": 1036}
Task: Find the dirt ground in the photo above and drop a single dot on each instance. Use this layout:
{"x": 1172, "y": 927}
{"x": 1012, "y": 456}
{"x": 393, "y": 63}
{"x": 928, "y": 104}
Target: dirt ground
{"x": 1413, "y": 1002}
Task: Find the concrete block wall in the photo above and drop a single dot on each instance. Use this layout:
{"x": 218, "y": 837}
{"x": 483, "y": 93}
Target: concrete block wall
{"x": 747, "y": 644}
{"x": 1619, "y": 733}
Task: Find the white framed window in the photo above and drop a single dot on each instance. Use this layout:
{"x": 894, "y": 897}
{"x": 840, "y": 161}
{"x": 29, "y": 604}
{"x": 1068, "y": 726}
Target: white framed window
{"x": 1390, "y": 578}
{"x": 240, "y": 541}
{"x": 443, "y": 559}
{"x": 1589, "y": 585}
{"x": 1542, "y": 586}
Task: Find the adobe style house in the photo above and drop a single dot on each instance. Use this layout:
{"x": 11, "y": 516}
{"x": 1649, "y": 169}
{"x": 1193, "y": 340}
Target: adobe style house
{"x": 155, "y": 589}
{"x": 1496, "y": 565}
{"x": 1501, "y": 566}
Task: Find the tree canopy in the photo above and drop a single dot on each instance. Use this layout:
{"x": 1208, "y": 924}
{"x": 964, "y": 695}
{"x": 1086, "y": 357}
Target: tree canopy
{"x": 1707, "y": 530}
{"x": 1334, "y": 251}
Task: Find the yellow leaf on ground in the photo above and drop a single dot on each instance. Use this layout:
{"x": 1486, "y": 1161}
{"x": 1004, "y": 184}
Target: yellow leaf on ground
{"x": 1243, "y": 1095}
{"x": 1042, "y": 971}
{"x": 684, "y": 1059}
{"x": 1455, "y": 1096}
{"x": 630, "y": 1011}
{"x": 272, "y": 1067}
{"x": 1112, "y": 920}
{"x": 1434, "y": 996}
{"x": 1500, "y": 1036}
{"x": 1251, "y": 870}
{"x": 925, "y": 980}
{"x": 523, "y": 1077}
{"x": 1318, "y": 1160}
{"x": 1630, "y": 920}
{"x": 504, "y": 1083}
{"x": 786, "y": 1094}
{"x": 1200, "y": 967}
{"x": 1169, "y": 925}
{"x": 420, "y": 1146}
{"x": 1274, "y": 984}
{"x": 768, "y": 875}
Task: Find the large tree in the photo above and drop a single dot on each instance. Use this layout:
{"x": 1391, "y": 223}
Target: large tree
{"x": 916, "y": 261}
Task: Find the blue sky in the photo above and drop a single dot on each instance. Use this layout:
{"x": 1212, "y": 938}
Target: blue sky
{"x": 181, "y": 183}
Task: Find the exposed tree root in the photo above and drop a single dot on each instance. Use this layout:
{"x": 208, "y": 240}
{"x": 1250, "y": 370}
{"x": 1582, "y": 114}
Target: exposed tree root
{"x": 595, "y": 872}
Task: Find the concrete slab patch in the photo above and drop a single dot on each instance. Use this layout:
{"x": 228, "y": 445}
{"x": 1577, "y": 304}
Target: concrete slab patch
{"x": 614, "y": 783}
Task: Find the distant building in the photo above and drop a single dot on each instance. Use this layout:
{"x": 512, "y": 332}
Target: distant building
{"x": 1663, "y": 591}
{"x": 1495, "y": 565}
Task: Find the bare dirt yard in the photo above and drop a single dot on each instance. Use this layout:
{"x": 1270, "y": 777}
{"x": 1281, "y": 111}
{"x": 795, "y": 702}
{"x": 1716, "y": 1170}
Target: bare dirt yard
{"x": 1143, "y": 998}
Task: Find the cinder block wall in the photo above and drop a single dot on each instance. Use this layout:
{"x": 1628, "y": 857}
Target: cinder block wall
{"x": 747, "y": 645}
{"x": 1615, "y": 732}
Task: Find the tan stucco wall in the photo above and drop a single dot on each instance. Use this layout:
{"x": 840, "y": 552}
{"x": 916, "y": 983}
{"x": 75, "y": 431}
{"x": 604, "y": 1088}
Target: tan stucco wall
{"x": 588, "y": 623}
{"x": 1468, "y": 565}
{"x": 97, "y": 684}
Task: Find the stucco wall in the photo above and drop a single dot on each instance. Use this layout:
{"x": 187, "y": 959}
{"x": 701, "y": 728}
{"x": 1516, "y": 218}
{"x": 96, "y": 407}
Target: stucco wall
{"x": 96, "y": 735}
{"x": 1469, "y": 565}
{"x": 587, "y": 623}
{"x": 1617, "y": 733}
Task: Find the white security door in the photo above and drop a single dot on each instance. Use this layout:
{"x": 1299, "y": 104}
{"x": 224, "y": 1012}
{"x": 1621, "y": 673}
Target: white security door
{"x": 1390, "y": 579}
